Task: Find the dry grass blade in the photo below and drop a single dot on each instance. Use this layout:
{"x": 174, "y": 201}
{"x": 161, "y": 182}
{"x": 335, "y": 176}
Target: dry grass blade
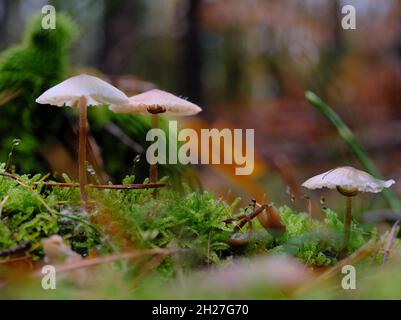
{"x": 365, "y": 251}
{"x": 13, "y": 260}
{"x": 2, "y": 203}
{"x": 390, "y": 241}
{"x": 43, "y": 178}
{"x": 153, "y": 263}
{"x": 89, "y": 262}
{"x": 37, "y": 196}
{"x": 8, "y": 95}
{"x": 361, "y": 253}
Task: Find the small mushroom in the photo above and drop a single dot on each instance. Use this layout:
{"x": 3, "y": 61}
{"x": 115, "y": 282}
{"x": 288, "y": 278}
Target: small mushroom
{"x": 155, "y": 102}
{"x": 349, "y": 182}
{"x": 79, "y": 92}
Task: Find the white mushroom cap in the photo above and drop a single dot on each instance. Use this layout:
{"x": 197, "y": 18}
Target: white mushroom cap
{"x": 95, "y": 90}
{"x": 155, "y": 98}
{"x": 347, "y": 178}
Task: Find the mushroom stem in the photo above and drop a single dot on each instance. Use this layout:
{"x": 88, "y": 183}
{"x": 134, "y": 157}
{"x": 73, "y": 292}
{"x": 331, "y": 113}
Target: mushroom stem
{"x": 153, "y": 170}
{"x": 82, "y": 147}
{"x": 347, "y": 224}
{"x": 309, "y": 205}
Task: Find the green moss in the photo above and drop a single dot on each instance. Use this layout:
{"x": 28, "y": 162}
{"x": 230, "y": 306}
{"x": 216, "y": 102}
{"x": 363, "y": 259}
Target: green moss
{"x": 188, "y": 219}
{"x": 315, "y": 242}
{"x": 30, "y": 68}
{"x": 25, "y": 218}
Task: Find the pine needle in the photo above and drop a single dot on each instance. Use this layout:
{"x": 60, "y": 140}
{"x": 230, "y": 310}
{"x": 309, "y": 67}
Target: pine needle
{"x": 390, "y": 241}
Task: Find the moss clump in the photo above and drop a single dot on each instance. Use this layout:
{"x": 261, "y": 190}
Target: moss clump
{"x": 188, "y": 219}
{"x": 315, "y": 242}
{"x": 27, "y": 70}
{"x": 31, "y": 213}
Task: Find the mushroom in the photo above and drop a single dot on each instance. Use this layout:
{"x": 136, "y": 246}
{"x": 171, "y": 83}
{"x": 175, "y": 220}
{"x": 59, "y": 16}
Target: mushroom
{"x": 79, "y": 92}
{"x": 349, "y": 182}
{"x": 155, "y": 102}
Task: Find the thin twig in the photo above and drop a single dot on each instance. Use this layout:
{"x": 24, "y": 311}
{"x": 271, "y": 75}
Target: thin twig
{"x": 390, "y": 241}
{"x": 254, "y": 214}
{"x": 105, "y": 186}
{"x": 9, "y": 175}
{"x": 129, "y": 186}
{"x": 58, "y": 184}
{"x": 245, "y": 216}
{"x": 99, "y": 186}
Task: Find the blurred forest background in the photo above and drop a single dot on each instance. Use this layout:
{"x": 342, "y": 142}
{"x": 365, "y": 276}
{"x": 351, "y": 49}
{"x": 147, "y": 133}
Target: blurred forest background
{"x": 247, "y": 64}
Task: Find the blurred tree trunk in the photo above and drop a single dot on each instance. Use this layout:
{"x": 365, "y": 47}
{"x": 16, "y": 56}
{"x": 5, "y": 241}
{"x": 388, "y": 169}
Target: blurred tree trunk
{"x": 333, "y": 54}
{"x": 11, "y": 25}
{"x": 192, "y": 55}
{"x": 3, "y": 22}
{"x": 120, "y": 26}
{"x": 396, "y": 96}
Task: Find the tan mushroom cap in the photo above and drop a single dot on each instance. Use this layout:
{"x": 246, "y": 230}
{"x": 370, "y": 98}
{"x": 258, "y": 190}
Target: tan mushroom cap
{"x": 95, "y": 90}
{"x": 158, "y": 100}
{"x": 347, "y": 178}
